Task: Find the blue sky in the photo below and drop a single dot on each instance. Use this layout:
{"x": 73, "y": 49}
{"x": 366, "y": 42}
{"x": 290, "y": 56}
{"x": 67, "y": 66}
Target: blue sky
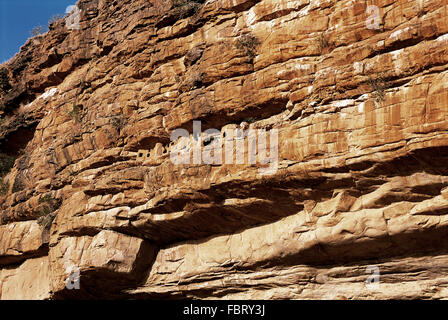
{"x": 19, "y": 17}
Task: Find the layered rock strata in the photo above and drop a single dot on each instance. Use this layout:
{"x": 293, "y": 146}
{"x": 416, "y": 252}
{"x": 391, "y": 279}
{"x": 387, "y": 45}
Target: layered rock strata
{"x": 361, "y": 185}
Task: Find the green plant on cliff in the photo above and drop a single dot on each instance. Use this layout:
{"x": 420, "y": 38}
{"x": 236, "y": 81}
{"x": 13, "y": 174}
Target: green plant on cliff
{"x": 47, "y": 208}
{"x": 249, "y": 44}
{"x": 323, "y": 43}
{"x": 195, "y": 80}
{"x": 118, "y": 122}
{"x": 6, "y": 164}
{"x": 37, "y": 31}
{"x": 75, "y": 113}
{"x": 19, "y": 183}
{"x": 3, "y": 187}
{"x": 186, "y": 8}
{"x": 181, "y": 3}
{"x": 379, "y": 85}
{"x": 55, "y": 18}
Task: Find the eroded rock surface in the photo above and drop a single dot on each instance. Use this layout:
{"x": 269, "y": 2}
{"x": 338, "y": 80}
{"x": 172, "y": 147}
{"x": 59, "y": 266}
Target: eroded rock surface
{"x": 362, "y": 179}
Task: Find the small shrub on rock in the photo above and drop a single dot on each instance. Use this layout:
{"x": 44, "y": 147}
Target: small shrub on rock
{"x": 249, "y": 44}
{"x": 3, "y": 187}
{"x": 6, "y": 164}
{"x": 379, "y": 85}
{"x": 75, "y": 113}
{"x": 118, "y": 122}
{"x": 185, "y": 8}
{"x": 47, "y": 208}
{"x": 37, "y": 31}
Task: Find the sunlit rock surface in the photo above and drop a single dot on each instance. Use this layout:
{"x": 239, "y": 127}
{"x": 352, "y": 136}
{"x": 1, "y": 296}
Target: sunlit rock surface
{"x": 361, "y": 189}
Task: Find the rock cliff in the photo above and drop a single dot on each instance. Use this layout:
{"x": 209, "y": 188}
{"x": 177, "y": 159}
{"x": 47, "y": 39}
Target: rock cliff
{"x": 357, "y": 207}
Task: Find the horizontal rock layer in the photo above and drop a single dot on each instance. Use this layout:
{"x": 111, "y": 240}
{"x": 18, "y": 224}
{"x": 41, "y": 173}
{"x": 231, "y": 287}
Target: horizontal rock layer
{"x": 360, "y": 192}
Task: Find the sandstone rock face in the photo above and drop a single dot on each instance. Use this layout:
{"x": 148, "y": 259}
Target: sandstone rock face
{"x": 357, "y": 208}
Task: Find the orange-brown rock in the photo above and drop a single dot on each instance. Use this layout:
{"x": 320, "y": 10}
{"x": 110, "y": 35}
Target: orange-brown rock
{"x": 362, "y": 175}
